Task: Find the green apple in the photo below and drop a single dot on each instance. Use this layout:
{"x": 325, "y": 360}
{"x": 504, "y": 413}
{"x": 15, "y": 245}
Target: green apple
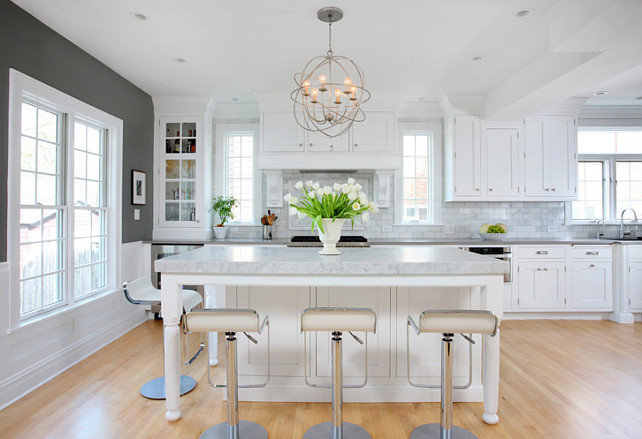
{"x": 484, "y": 228}
{"x": 503, "y": 226}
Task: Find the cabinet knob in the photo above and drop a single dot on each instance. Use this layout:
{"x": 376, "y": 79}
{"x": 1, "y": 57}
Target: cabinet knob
{"x": 331, "y": 147}
{"x": 592, "y": 266}
{"x": 356, "y": 144}
{"x": 310, "y": 145}
{"x": 490, "y": 189}
{"x": 300, "y": 145}
{"x": 553, "y": 189}
{"x": 477, "y": 189}
{"x": 547, "y": 189}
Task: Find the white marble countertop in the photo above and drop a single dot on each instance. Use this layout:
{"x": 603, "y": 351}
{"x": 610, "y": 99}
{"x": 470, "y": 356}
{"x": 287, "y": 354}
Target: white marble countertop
{"x": 377, "y": 260}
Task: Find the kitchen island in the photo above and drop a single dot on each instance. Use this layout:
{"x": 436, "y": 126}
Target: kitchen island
{"x": 393, "y": 280}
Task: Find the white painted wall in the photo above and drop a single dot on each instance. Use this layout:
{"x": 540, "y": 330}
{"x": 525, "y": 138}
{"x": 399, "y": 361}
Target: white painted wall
{"x": 40, "y": 350}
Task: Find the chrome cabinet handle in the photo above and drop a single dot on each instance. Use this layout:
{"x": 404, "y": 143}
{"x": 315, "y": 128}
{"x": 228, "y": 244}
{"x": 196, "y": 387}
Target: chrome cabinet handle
{"x": 547, "y": 189}
{"x": 592, "y": 266}
{"x": 490, "y": 189}
{"x": 542, "y": 269}
{"x": 553, "y": 189}
{"x": 593, "y": 253}
{"x": 541, "y": 252}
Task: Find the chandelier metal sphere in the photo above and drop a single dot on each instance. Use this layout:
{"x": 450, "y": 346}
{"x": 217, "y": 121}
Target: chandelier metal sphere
{"x": 330, "y": 90}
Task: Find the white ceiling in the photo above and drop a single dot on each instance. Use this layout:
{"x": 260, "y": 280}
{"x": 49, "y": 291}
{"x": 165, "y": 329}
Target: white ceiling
{"x": 417, "y": 48}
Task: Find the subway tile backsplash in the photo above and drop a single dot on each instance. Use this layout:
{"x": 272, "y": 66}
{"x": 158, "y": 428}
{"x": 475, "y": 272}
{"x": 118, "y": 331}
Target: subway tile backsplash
{"x": 524, "y": 219}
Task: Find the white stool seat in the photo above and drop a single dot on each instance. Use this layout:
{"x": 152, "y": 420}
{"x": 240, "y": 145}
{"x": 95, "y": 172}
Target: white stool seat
{"x": 460, "y": 321}
{"x": 223, "y": 320}
{"x": 338, "y": 319}
{"x": 141, "y": 291}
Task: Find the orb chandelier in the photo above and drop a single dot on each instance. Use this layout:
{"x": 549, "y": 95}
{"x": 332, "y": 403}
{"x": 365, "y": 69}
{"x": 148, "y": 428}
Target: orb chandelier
{"x": 330, "y": 90}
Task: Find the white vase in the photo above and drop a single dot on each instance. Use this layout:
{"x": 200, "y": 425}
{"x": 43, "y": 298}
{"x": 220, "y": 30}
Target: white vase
{"x": 220, "y": 232}
{"x": 330, "y": 235}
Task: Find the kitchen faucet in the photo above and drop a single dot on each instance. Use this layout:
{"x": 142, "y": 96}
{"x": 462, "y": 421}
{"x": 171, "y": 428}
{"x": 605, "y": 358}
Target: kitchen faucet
{"x": 635, "y": 220}
{"x": 599, "y": 235}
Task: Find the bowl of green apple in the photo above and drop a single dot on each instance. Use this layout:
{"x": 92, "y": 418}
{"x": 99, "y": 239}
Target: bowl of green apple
{"x": 493, "y": 232}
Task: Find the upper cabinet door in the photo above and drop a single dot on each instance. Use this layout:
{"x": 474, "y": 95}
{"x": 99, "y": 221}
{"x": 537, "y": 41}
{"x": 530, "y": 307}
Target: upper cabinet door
{"x": 375, "y": 134}
{"x": 550, "y": 165}
{"x": 320, "y": 143}
{"x": 501, "y": 146}
{"x": 281, "y": 133}
{"x": 466, "y": 157}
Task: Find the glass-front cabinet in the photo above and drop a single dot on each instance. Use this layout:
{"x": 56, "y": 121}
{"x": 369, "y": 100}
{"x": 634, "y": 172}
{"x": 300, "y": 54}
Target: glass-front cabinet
{"x": 179, "y": 171}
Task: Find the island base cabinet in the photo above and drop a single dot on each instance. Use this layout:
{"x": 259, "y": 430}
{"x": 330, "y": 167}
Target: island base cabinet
{"x": 425, "y": 349}
{"x": 284, "y": 306}
{"x": 377, "y": 299}
{"x": 593, "y": 286}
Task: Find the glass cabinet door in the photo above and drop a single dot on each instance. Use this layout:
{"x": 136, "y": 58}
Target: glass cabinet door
{"x": 180, "y": 192}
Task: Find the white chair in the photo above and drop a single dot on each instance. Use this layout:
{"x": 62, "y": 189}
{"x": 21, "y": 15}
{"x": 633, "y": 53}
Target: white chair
{"x": 338, "y": 320}
{"x": 448, "y": 323}
{"x": 230, "y": 321}
{"x": 141, "y": 292}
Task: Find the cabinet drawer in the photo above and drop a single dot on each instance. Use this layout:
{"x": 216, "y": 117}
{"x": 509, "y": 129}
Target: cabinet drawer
{"x": 542, "y": 252}
{"x": 635, "y": 252}
{"x": 601, "y": 252}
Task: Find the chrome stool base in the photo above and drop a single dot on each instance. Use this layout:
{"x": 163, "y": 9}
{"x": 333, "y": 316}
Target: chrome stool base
{"x": 155, "y": 389}
{"x": 433, "y": 431}
{"x": 246, "y": 430}
{"x": 324, "y": 431}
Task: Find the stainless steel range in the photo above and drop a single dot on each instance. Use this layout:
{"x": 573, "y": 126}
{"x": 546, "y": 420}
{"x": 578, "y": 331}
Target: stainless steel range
{"x": 314, "y": 241}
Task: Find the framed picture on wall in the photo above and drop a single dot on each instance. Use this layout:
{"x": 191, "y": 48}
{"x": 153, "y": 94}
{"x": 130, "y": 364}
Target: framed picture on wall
{"x": 139, "y": 187}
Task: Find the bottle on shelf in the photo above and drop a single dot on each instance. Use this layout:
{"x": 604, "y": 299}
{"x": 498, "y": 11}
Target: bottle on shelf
{"x": 192, "y": 214}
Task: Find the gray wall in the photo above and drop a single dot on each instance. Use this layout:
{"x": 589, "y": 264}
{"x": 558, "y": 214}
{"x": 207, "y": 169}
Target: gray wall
{"x": 32, "y": 48}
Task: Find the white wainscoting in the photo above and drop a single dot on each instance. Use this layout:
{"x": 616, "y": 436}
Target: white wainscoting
{"x": 37, "y": 352}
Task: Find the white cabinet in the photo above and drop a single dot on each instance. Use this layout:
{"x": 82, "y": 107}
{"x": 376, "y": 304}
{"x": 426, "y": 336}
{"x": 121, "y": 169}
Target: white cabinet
{"x": 375, "y": 133}
{"x": 284, "y": 306}
{"x": 500, "y": 145}
{"x": 550, "y": 162}
{"x": 485, "y": 160}
{"x": 592, "y": 279}
{"x": 633, "y": 283}
{"x": 541, "y": 278}
{"x": 466, "y": 158}
{"x": 320, "y": 143}
{"x": 281, "y": 133}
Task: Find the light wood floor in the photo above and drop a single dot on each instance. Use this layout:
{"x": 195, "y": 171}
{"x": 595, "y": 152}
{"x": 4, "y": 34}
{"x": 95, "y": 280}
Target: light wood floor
{"x": 559, "y": 379}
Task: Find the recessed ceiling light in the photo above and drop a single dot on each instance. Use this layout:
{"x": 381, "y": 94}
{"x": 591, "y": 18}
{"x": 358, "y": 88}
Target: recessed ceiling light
{"x": 235, "y": 99}
{"x": 601, "y": 93}
{"x": 523, "y": 13}
{"x": 180, "y": 60}
{"x": 139, "y": 16}
{"x": 477, "y": 58}
{"x": 421, "y": 98}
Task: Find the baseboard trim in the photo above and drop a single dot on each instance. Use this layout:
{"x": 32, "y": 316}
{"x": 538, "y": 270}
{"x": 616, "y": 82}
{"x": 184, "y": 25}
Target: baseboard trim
{"x": 26, "y": 381}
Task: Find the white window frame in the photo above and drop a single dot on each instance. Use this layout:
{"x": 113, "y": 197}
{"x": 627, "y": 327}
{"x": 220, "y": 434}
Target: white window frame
{"x": 20, "y": 86}
{"x": 435, "y": 147}
{"x": 223, "y": 131}
{"x": 609, "y": 177}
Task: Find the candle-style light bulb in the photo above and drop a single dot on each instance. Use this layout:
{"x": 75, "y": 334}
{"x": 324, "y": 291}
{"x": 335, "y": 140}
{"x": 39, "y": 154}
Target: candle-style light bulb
{"x": 322, "y": 80}
{"x": 338, "y": 100}
{"x": 306, "y": 88}
{"x": 353, "y": 91}
{"x": 348, "y": 83}
{"x": 315, "y": 92}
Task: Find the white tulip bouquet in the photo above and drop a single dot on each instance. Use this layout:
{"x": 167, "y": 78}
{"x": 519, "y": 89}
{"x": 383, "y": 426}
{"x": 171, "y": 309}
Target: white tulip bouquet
{"x": 337, "y": 201}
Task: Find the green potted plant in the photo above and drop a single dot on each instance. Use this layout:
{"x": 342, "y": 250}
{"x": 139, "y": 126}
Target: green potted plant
{"x": 222, "y": 206}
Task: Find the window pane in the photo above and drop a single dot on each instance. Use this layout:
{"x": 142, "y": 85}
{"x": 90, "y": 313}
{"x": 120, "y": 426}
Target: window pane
{"x": 188, "y": 168}
{"x": 30, "y": 260}
{"x": 47, "y": 157}
{"x": 47, "y": 125}
{"x": 94, "y": 167}
{"x": 172, "y": 169}
{"x": 589, "y": 192}
{"x": 30, "y": 295}
{"x": 82, "y": 223}
{"x": 93, "y": 193}
{"x": 51, "y": 224}
{"x": 27, "y": 188}
{"x": 98, "y": 276}
{"x": 240, "y": 175}
{"x": 82, "y": 281}
{"x": 28, "y": 154}
{"x": 415, "y": 178}
{"x": 82, "y": 251}
{"x": 409, "y": 167}
{"x": 46, "y": 189}
{"x": 80, "y": 136}
{"x": 28, "y": 120}
{"x": 80, "y": 192}
{"x": 629, "y": 186}
{"x": 80, "y": 164}
{"x": 93, "y": 140}
{"x": 51, "y": 289}
{"x": 409, "y": 146}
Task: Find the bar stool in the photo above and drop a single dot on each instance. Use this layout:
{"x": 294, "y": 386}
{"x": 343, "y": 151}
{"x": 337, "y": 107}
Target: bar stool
{"x": 449, "y": 322}
{"x": 230, "y": 321}
{"x": 337, "y": 320}
{"x": 141, "y": 292}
